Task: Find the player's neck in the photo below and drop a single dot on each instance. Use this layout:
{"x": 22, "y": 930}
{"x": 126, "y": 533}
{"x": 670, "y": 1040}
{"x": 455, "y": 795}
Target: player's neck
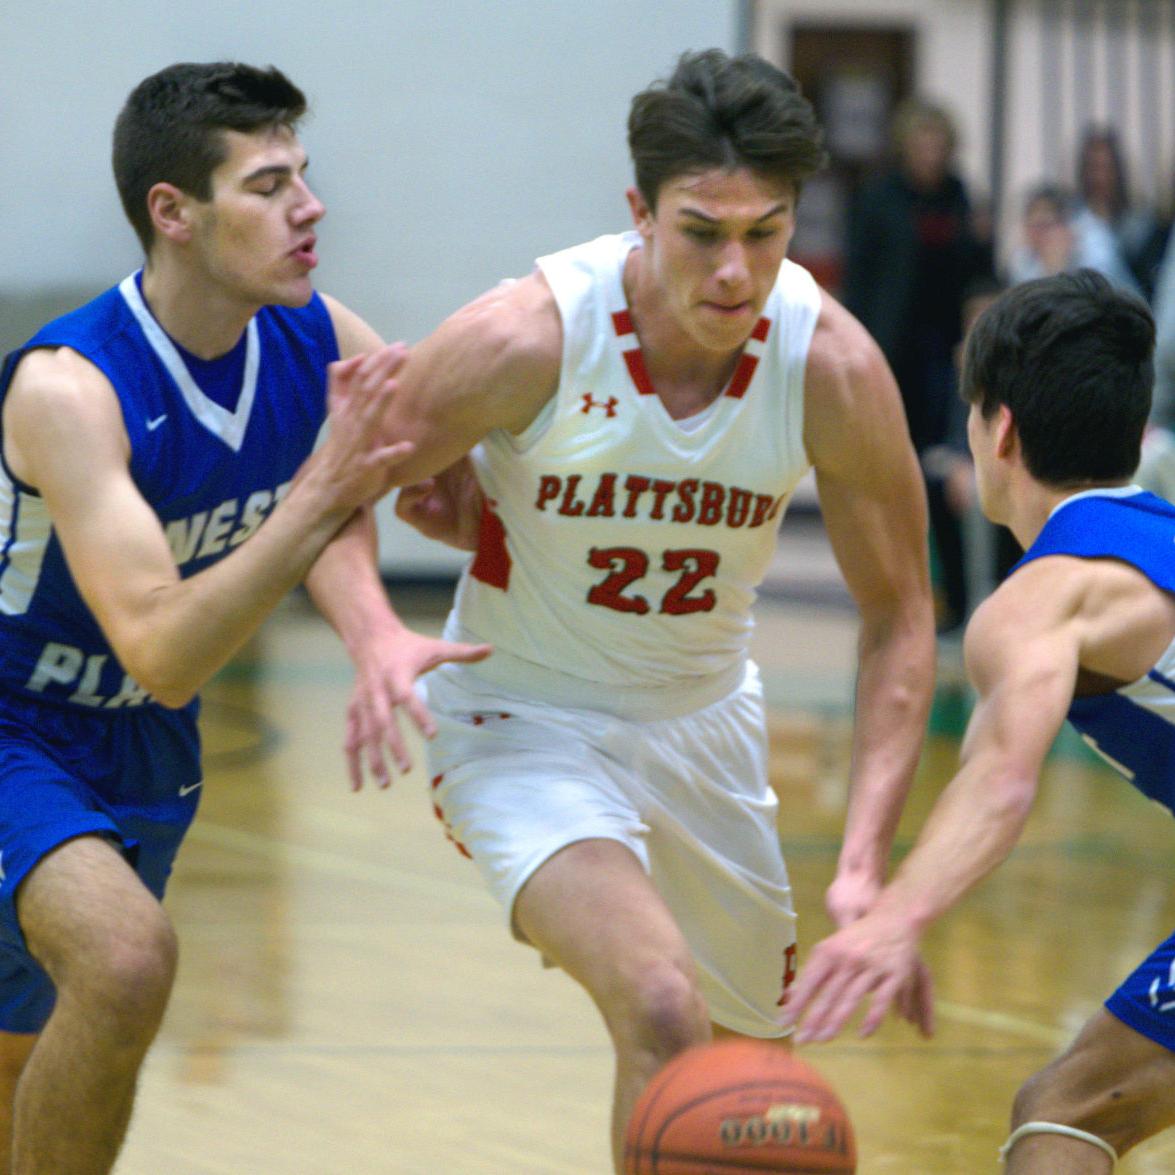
{"x": 684, "y": 373}
{"x": 1031, "y": 507}
{"x": 197, "y": 314}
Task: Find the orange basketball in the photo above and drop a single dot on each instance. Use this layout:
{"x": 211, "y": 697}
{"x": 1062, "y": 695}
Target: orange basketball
{"x": 739, "y": 1106}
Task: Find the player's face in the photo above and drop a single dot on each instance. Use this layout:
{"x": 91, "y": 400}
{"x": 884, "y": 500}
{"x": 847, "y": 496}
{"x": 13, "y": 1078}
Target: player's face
{"x": 714, "y": 245}
{"x": 256, "y": 235}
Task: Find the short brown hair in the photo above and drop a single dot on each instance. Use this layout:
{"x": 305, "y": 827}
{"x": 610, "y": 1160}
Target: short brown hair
{"x": 717, "y": 111}
{"x": 170, "y": 129}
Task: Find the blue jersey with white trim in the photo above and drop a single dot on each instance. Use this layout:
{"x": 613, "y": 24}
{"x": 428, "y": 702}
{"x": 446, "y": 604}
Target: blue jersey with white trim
{"x": 212, "y": 474}
{"x": 1132, "y": 728}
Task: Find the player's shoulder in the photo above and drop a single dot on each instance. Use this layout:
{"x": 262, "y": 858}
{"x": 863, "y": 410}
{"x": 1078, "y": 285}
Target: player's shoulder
{"x": 1035, "y": 602}
{"x": 352, "y": 333}
{"x": 842, "y": 352}
{"x": 851, "y": 400}
{"x": 56, "y": 398}
{"x": 58, "y": 379}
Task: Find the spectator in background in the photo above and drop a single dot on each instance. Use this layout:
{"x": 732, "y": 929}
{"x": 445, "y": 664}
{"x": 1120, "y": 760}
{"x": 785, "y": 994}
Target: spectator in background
{"x": 1157, "y": 471}
{"x": 1048, "y": 244}
{"x": 1163, "y": 412}
{"x": 951, "y": 490}
{"x": 911, "y": 254}
{"x": 1126, "y": 240}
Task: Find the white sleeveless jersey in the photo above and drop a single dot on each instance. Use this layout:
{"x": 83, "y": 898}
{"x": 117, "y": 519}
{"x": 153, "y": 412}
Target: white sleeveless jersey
{"x": 621, "y": 550}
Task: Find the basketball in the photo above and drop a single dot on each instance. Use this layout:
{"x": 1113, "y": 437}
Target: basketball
{"x": 739, "y": 1105}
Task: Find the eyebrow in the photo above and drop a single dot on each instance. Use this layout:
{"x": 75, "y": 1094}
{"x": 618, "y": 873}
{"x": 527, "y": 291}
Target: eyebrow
{"x": 277, "y": 169}
{"x": 699, "y": 215}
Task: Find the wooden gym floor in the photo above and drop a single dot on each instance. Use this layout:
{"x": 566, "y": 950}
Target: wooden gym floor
{"x": 349, "y": 1001}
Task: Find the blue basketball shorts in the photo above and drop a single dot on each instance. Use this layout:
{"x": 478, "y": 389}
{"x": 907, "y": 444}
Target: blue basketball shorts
{"x": 132, "y": 776}
{"x": 1146, "y": 1000}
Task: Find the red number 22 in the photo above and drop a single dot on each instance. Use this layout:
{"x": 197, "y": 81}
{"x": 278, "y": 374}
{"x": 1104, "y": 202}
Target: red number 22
{"x": 628, "y": 564}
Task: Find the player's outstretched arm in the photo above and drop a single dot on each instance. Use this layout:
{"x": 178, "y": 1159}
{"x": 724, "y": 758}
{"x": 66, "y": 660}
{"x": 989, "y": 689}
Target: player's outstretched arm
{"x": 1022, "y": 654}
{"x": 64, "y": 436}
{"x": 347, "y": 588}
{"x": 388, "y": 656}
{"x": 874, "y": 509}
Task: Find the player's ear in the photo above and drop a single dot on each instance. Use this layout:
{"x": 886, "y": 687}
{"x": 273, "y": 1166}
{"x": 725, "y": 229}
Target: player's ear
{"x": 642, "y": 214}
{"x": 1006, "y": 435}
{"x": 170, "y": 211}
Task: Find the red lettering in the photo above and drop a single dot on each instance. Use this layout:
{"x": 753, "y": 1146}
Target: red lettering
{"x": 661, "y": 490}
{"x": 636, "y": 485}
{"x": 601, "y": 506}
{"x": 710, "y": 509}
{"x": 763, "y": 503}
{"x": 549, "y": 486}
{"x": 739, "y": 506}
{"x": 571, "y": 505}
{"x": 684, "y": 510}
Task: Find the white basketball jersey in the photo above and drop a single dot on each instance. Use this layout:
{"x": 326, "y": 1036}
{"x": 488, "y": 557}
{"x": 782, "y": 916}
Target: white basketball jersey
{"x": 620, "y": 549}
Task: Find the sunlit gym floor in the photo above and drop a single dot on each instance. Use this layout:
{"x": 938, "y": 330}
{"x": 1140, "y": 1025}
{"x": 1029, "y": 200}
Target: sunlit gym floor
{"x": 350, "y": 1002}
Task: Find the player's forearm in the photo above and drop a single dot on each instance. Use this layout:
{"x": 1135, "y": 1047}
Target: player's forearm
{"x": 895, "y": 683}
{"x": 345, "y": 584}
{"x": 973, "y": 827}
{"x": 188, "y": 629}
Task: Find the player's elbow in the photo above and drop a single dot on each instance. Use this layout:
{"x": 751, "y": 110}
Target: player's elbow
{"x": 159, "y": 676}
{"x": 1010, "y": 794}
{"x": 173, "y": 697}
{"x": 168, "y": 689}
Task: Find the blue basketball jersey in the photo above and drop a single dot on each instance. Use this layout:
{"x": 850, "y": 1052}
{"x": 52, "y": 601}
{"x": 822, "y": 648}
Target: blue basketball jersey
{"x": 211, "y": 472}
{"x": 1133, "y": 728}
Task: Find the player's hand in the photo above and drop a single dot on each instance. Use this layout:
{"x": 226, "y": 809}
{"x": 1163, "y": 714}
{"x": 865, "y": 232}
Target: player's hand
{"x": 385, "y": 688}
{"x": 875, "y": 957}
{"x": 355, "y": 463}
{"x": 446, "y": 507}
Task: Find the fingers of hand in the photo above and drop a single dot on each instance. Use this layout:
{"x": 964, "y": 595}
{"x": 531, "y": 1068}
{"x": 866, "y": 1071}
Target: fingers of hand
{"x": 883, "y": 997}
{"x": 389, "y": 456}
{"x": 420, "y": 715}
{"x": 352, "y": 747}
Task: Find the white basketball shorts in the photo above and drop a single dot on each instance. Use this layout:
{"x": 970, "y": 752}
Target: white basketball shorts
{"x": 515, "y": 781}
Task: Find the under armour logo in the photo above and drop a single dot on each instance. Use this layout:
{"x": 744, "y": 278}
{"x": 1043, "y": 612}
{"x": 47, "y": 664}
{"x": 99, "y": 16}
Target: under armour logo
{"x": 608, "y": 405}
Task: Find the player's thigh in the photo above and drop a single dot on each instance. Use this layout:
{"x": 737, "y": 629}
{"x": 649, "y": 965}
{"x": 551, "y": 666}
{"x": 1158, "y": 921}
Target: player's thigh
{"x": 83, "y": 901}
{"x": 592, "y": 910}
{"x": 512, "y": 790}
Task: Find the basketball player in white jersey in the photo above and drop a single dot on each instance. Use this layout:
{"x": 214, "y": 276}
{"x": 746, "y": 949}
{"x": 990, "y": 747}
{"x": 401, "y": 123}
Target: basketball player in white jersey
{"x": 645, "y": 406}
{"x": 1058, "y": 372}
